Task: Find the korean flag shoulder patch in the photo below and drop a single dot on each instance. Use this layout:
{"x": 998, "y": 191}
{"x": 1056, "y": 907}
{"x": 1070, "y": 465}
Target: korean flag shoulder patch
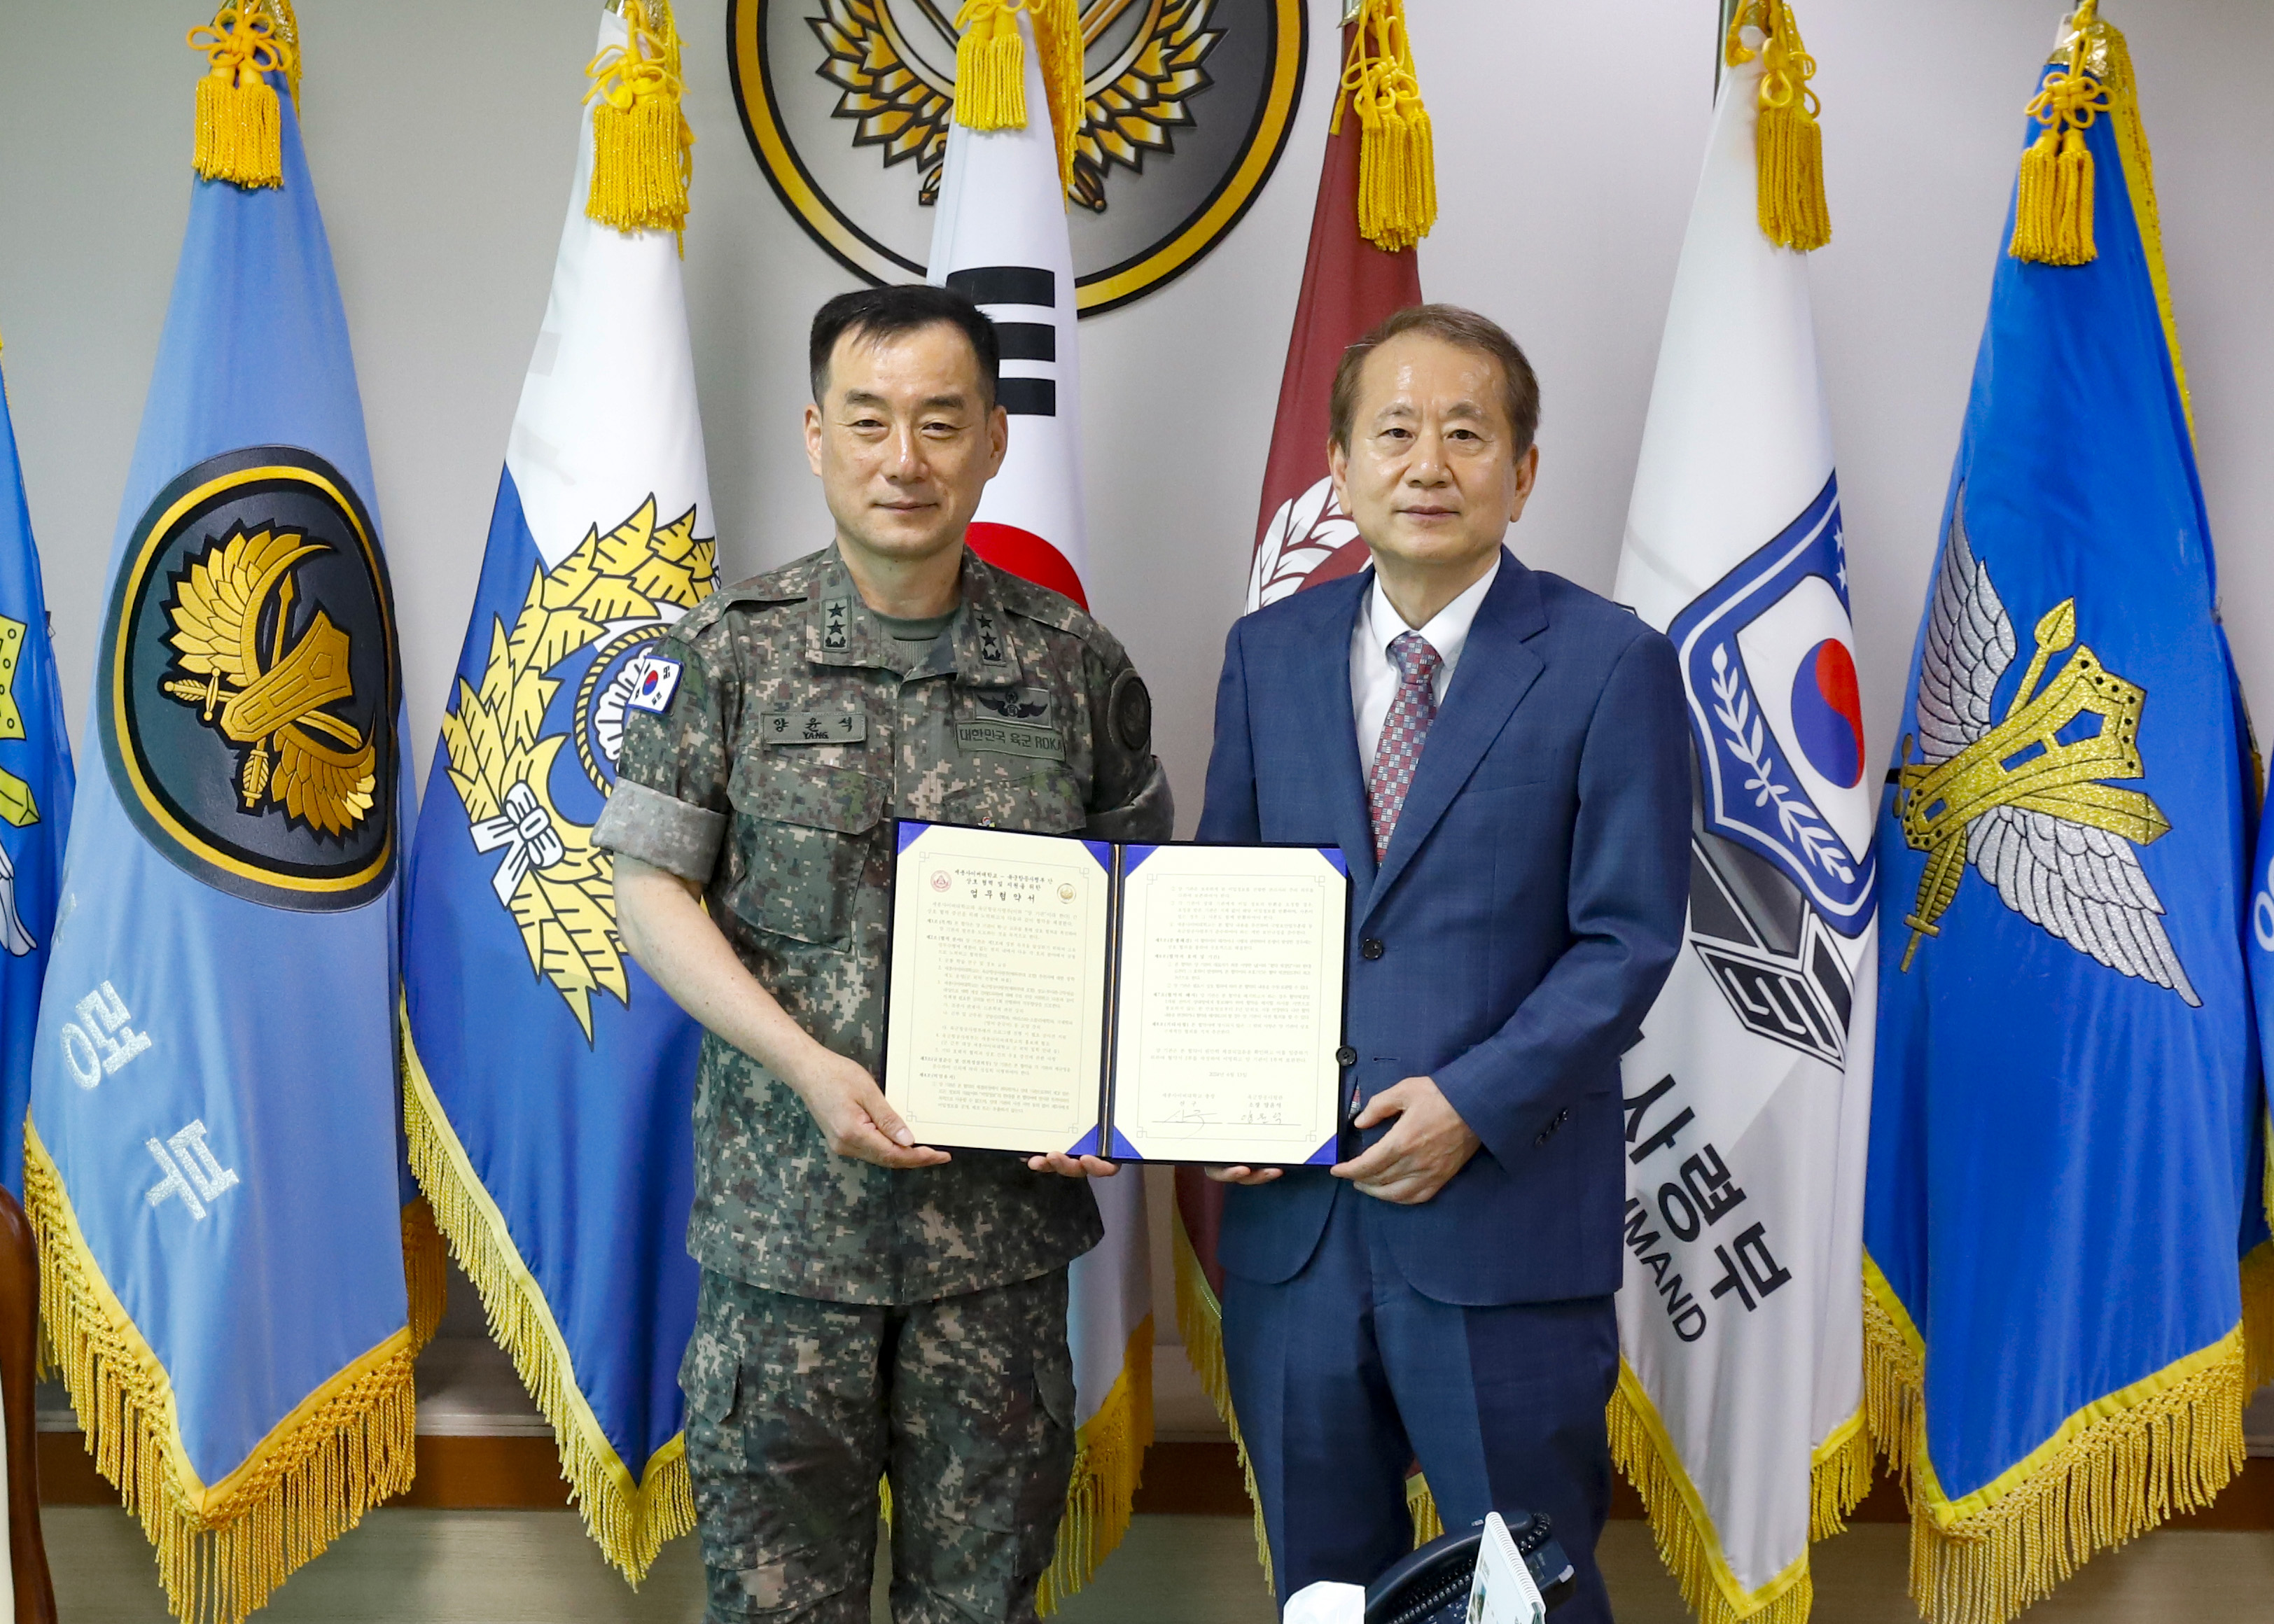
{"x": 658, "y": 681}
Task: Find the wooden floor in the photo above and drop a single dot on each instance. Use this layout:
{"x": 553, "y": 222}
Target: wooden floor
{"x": 415, "y": 1567}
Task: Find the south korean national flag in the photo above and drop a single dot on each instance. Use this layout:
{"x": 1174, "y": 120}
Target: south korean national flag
{"x": 1000, "y": 239}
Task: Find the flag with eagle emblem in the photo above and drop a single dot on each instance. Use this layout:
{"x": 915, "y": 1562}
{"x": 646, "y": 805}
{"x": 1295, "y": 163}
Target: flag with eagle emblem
{"x": 2066, "y": 1096}
{"x": 35, "y": 798}
{"x": 1747, "y": 1099}
{"x": 549, "y": 1082}
{"x": 1000, "y": 239}
{"x": 210, "y": 1165}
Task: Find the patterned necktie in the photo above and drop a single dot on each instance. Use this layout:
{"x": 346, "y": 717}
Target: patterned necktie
{"x": 1404, "y": 730}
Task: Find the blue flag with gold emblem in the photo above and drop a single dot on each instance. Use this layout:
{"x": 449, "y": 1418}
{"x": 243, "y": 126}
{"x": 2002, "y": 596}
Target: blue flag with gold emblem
{"x": 549, "y": 1084}
{"x": 2065, "y": 1090}
{"x": 211, "y": 1159}
{"x": 35, "y": 799}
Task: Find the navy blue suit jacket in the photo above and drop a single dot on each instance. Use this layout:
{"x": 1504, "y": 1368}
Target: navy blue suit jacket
{"x": 1528, "y": 909}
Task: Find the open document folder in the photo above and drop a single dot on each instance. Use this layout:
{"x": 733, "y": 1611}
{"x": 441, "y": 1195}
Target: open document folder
{"x": 1143, "y": 1002}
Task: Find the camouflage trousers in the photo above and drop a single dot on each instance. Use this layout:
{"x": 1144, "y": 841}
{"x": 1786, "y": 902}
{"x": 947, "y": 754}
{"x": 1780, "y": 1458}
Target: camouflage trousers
{"x": 797, "y": 1406}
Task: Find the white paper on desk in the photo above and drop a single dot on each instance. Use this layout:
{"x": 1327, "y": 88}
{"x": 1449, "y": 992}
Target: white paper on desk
{"x": 1326, "y": 1603}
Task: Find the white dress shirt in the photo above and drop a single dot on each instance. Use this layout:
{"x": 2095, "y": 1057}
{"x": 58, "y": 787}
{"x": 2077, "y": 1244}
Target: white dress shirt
{"x": 1374, "y": 674}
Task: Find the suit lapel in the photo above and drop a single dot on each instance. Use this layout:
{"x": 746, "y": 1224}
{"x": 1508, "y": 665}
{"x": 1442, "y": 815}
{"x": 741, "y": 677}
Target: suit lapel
{"x": 1495, "y": 672}
{"x": 1330, "y": 731}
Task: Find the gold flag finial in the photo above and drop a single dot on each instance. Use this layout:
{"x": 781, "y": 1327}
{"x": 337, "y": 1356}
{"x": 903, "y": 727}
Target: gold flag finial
{"x": 239, "y": 128}
{"x": 1397, "y": 156}
{"x": 643, "y": 146}
{"x": 2052, "y": 203}
{"x": 990, "y": 69}
{"x": 1788, "y": 142}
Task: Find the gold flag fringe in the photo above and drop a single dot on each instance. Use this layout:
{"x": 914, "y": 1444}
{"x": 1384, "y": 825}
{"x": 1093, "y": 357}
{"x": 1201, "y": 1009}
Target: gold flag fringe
{"x": 2052, "y": 202}
{"x": 1108, "y": 1462}
{"x": 990, "y": 69}
{"x": 630, "y": 1521}
{"x": 1788, "y": 144}
{"x": 1200, "y": 1321}
{"x": 2115, "y": 1470}
{"x": 222, "y": 1549}
{"x": 1682, "y": 1529}
{"x": 643, "y": 146}
{"x": 2258, "y": 1315}
{"x": 1397, "y": 153}
{"x": 425, "y": 1272}
{"x": 1839, "y": 1476}
{"x": 240, "y": 129}
{"x": 1421, "y": 1506}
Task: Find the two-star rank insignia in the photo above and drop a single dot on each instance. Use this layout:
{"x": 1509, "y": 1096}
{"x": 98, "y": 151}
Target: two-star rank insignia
{"x": 2020, "y": 794}
{"x": 248, "y": 683}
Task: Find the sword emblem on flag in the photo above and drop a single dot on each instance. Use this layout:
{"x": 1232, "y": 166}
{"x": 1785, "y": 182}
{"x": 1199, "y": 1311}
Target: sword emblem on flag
{"x": 279, "y": 696}
{"x": 2022, "y": 798}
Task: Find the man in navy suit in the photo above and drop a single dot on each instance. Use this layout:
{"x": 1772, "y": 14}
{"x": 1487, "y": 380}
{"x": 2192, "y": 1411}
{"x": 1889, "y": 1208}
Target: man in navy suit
{"x": 1504, "y": 759}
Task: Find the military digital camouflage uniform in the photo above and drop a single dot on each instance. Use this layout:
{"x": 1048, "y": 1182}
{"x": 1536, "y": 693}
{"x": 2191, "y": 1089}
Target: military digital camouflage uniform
{"x": 835, "y": 1291}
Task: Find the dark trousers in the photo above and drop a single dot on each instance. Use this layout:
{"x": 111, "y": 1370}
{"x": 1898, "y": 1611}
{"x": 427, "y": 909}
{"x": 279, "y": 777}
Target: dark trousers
{"x": 1345, "y": 1375}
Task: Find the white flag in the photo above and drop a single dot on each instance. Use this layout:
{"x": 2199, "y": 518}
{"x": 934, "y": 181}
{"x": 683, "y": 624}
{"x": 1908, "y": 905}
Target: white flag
{"x": 1747, "y": 1099}
{"x": 1001, "y": 240}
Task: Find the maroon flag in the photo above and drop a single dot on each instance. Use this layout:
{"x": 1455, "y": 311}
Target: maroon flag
{"x": 1349, "y": 285}
{"x": 1303, "y": 537}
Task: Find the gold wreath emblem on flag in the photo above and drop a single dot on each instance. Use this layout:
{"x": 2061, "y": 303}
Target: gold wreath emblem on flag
{"x": 1132, "y": 106}
{"x": 270, "y": 695}
{"x": 2020, "y": 794}
{"x": 559, "y": 886}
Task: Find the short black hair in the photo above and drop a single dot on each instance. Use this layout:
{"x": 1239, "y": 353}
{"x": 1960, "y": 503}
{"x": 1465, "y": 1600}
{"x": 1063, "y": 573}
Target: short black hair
{"x": 1464, "y": 329}
{"x": 877, "y": 314}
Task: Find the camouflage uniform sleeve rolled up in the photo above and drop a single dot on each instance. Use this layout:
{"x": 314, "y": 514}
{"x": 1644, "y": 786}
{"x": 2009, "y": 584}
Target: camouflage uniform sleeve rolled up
{"x": 669, "y": 808}
{"x": 1129, "y": 797}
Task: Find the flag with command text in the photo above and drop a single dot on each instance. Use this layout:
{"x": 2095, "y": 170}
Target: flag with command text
{"x": 1739, "y": 1407}
{"x": 35, "y": 798}
{"x": 2066, "y": 1096}
{"x": 1000, "y": 239}
{"x": 211, "y": 1159}
{"x": 549, "y": 1085}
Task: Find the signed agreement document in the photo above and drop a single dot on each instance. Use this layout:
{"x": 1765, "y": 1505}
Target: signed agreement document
{"x": 1142, "y": 1003}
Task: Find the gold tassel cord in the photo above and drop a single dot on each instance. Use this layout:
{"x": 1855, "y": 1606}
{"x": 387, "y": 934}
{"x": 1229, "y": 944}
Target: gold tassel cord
{"x": 2114, "y": 1470}
{"x": 1109, "y": 1461}
{"x": 1683, "y": 1530}
{"x": 1788, "y": 144}
{"x": 2052, "y": 202}
{"x": 222, "y": 1548}
{"x": 630, "y": 1520}
{"x": 990, "y": 69}
{"x": 1397, "y": 163}
{"x": 240, "y": 129}
{"x": 425, "y": 1272}
{"x": 643, "y": 146}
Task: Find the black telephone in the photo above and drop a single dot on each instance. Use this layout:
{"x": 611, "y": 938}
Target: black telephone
{"x": 1431, "y": 1585}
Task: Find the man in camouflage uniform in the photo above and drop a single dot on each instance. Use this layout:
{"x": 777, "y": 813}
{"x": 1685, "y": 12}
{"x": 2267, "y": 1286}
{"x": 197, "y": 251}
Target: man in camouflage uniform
{"x": 871, "y": 1307}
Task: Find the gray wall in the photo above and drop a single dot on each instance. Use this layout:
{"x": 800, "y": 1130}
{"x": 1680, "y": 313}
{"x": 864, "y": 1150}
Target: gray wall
{"x": 1568, "y": 141}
